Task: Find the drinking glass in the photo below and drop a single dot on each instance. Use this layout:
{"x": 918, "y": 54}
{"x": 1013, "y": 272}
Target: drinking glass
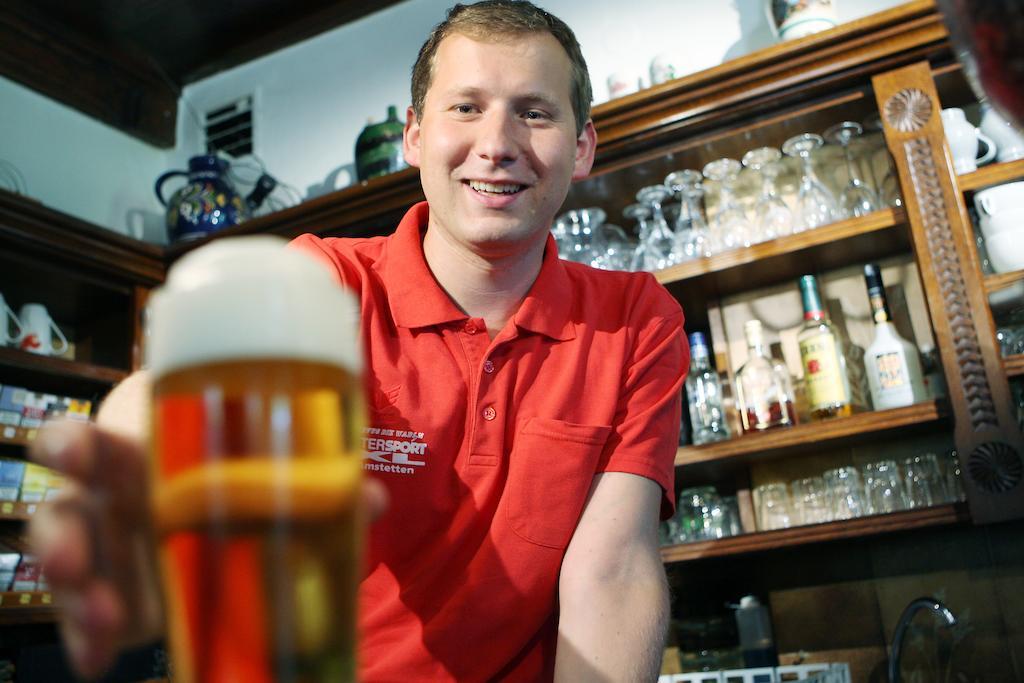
{"x": 618, "y": 248}
{"x": 773, "y": 217}
{"x": 730, "y": 227}
{"x": 954, "y": 485}
{"x": 815, "y": 204}
{"x": 703, "y": 516}
{"x": 581, "y": 230}
{"x": 857, "y": 198}
{"x": 845, "y": 492}
{"x": 641, "y": 215}
{"x": 691, "y": 223}
{"x": 883, "y": 488}
{"x": 923, "y": 480}
{"x": 660, "y": 238}
{"x": 888, "y": 188}
{"x": 773, "y": 507}
{"x": 810, "y": 502}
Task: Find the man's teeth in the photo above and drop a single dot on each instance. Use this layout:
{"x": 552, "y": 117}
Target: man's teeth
{"x": 494, "y": 189}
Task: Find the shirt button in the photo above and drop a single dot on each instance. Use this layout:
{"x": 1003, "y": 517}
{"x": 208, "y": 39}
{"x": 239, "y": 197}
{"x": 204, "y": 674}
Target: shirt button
{"x": 490, "y": 413}
{"x": 470, "y": 327}
{"x": 488, "y": 367}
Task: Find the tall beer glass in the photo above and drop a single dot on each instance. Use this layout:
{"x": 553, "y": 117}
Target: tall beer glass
{"x": 255, "y": 471}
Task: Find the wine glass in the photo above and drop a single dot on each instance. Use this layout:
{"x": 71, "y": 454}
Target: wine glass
{"x": 641, "y": 215}
{"x": 581, "y": 229}
{"x": 774, "y": 218}
{"x": 731, "y": 229}
{"x": 888, "y": 188}
{"x": 618, "y": 248}
{"x": 815, "y": 204}
{"x": 691, "y": 223}
{"x": 660, "y": 238}
{"x": 857, "y": 199}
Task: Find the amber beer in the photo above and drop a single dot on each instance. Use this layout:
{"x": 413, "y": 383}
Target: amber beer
{"x": 256, "y": 425}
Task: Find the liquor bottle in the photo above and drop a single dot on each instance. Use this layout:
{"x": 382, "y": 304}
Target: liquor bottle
{"x": 821, "y": 353}
{"x": 893, "y": 364}
{"x": 765, "y": 393}
{"x": 704, "y": 395}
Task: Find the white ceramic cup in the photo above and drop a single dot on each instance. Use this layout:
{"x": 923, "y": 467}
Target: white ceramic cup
{"x": 1006, "y": 251}
{"x": 1009, "y": 141}
{"x": 665, "y": 67}
{"x": 7, "y": 320}
{"x": 996, "y": 200}
{"x": 623, "y": 83}
{"x": 963, "y": 141}
{"x": 1011, "y": 220}
{"x": 37, "y": 331}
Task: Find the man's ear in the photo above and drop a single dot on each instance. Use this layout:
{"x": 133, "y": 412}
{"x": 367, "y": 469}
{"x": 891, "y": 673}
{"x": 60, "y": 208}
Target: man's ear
{"x": 586, "y": 146}
{"x": 411, "y": 138}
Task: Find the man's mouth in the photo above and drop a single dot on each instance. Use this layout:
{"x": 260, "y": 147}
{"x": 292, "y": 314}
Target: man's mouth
{"x": 495, "y": 188}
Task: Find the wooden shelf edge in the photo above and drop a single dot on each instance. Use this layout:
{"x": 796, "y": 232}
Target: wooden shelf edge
{"x": 939, "y": 515}
{"x": 813, "y": 432}
{"x": 851, "y": 227}
{"x": 993, "y": 174}
{"x": 995, "y": 283}
{"x": 1014, "y": 365}
{"x": 27, "y": 607}
{"x": 50, "y": 365}
{"x": 17, "y": 511}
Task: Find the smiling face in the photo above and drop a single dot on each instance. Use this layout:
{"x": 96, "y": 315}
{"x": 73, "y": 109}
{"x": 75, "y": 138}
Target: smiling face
{"x": 496, "y": 144}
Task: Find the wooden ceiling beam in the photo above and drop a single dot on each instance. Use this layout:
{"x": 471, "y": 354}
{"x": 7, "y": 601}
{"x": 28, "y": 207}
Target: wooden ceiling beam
{"x": 96, "y": 79}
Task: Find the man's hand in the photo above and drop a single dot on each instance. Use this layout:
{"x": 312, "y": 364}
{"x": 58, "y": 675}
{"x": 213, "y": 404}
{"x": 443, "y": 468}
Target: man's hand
{"x": 612, "y": 593}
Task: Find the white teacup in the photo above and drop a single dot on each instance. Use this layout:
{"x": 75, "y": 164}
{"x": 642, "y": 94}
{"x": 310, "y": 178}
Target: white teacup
{"x": 7, "y": 320}
{"x": 37, "y": 331}
{"x": 1006, "y": 251}
{"x": 1011, "y": 220}
{"x": 963, "y": 141}
{"x": 996, "y": 200}
{"x": 1009, "y": 141}
{"x": 623, "y": 83}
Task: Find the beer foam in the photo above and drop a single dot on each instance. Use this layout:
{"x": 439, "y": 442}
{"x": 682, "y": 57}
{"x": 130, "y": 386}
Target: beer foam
{"x": 251, "y": 297}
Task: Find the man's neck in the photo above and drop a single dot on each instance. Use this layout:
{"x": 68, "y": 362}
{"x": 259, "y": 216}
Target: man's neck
{"x": 488, "y": 287}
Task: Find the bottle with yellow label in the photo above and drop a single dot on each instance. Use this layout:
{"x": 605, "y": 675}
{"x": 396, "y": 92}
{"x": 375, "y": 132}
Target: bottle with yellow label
{"x": 826, "y": 379}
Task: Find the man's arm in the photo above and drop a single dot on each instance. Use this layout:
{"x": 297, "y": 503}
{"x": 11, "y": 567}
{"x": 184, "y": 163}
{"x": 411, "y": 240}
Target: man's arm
{"x": 613, "y": 597}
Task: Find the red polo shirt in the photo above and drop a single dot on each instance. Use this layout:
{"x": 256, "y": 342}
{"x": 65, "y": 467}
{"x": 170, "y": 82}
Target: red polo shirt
{"x": 488, "y": 448}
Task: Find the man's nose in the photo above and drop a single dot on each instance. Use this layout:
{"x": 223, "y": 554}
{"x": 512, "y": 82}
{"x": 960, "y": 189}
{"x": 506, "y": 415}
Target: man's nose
{"x": 497, "y": 138}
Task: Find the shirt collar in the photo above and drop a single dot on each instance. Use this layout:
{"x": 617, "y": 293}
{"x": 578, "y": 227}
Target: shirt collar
{"x": 416, "y": 300}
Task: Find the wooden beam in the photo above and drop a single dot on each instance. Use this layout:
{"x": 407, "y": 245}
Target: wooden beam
{"x": 96, "y": 79}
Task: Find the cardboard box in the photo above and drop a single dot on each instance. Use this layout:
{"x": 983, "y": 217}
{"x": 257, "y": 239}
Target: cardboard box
{"x": 26, "y": 577}
{"x": 33, "y": 411}
{"x": 11, "y": 473}
{"x": 12, "y": 400}
{"x": 9, "y": 559}
{"x": 34, "y": 483}
{"x": 79, "y": 409}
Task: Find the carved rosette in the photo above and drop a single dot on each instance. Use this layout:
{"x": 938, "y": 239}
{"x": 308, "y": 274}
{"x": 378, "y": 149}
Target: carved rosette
{"x": 908, "y": 110}
{"x": 946, "y": 266}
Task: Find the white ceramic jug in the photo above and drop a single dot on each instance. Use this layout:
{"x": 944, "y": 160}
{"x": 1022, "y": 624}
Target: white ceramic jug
{"x": 963, "y": 141}
{"x": 37, "y": 331}
{"x": 1009, "y": 141}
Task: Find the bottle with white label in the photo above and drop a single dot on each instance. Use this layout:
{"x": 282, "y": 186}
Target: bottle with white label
{"x": 893, "y": 364}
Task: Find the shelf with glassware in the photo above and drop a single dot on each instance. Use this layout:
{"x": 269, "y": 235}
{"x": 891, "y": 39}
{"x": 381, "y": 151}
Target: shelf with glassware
{"x": 938, "y": 515}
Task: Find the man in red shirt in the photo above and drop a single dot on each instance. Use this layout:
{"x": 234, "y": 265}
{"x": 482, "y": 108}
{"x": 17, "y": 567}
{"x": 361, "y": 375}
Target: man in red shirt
{"x": 524, "y": 410}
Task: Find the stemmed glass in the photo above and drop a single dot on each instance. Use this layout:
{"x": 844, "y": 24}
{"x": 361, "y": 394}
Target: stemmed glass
{"x": 857, "y": 199}
{"x": 774, "y": 218}
{"x": 730, "y": 226}
{"x": 888, "y": 189}
{"x": 618, "y": 248}
{"x": 691, "y": 224}
{"x": 815, "y": 204}
{"x": 581, "y": 231}
{"x": 660, "y": 239}
{"x": 641, "y": 215}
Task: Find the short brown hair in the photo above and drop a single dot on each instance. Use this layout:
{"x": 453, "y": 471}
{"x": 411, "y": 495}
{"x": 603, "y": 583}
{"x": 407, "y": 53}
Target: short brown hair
{"x": 501, "y": 18}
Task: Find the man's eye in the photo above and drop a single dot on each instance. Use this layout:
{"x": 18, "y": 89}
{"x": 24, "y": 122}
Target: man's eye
{"x": 464, "y": 108}
{"x": 535, "y": 115}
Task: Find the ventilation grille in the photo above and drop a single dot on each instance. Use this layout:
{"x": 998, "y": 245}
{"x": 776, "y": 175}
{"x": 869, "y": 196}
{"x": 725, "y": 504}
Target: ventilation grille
{"x": 229, "y": 128}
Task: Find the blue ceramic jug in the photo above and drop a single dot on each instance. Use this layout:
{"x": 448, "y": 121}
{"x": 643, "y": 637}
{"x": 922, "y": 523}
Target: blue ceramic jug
{"x": 207, "y": 203}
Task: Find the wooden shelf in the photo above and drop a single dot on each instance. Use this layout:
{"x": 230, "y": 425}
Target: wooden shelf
{"x": 993, "y": 174}
{"x": 16, "y": 511}
{"x": 995, "y": 283}
{"x": 28, "y": 607}
{"x": 1014, "y": 365}
{"x": 715, "y": 459}
{"x": 50, "y": 366}
{"x": 939, "y": 515}
{"x": 16, "y": 436}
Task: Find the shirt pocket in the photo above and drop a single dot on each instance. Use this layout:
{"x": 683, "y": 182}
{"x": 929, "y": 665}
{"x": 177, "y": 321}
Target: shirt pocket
{"x": 550, "y": 470}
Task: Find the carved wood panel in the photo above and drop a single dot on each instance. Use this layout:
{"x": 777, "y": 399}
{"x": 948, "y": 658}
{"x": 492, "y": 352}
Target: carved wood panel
{"x": 988, "y": 440}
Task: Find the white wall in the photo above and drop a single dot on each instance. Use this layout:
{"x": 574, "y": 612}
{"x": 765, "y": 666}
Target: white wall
{"x": 314, "y": 98}
{"x": 75, "y": 164}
